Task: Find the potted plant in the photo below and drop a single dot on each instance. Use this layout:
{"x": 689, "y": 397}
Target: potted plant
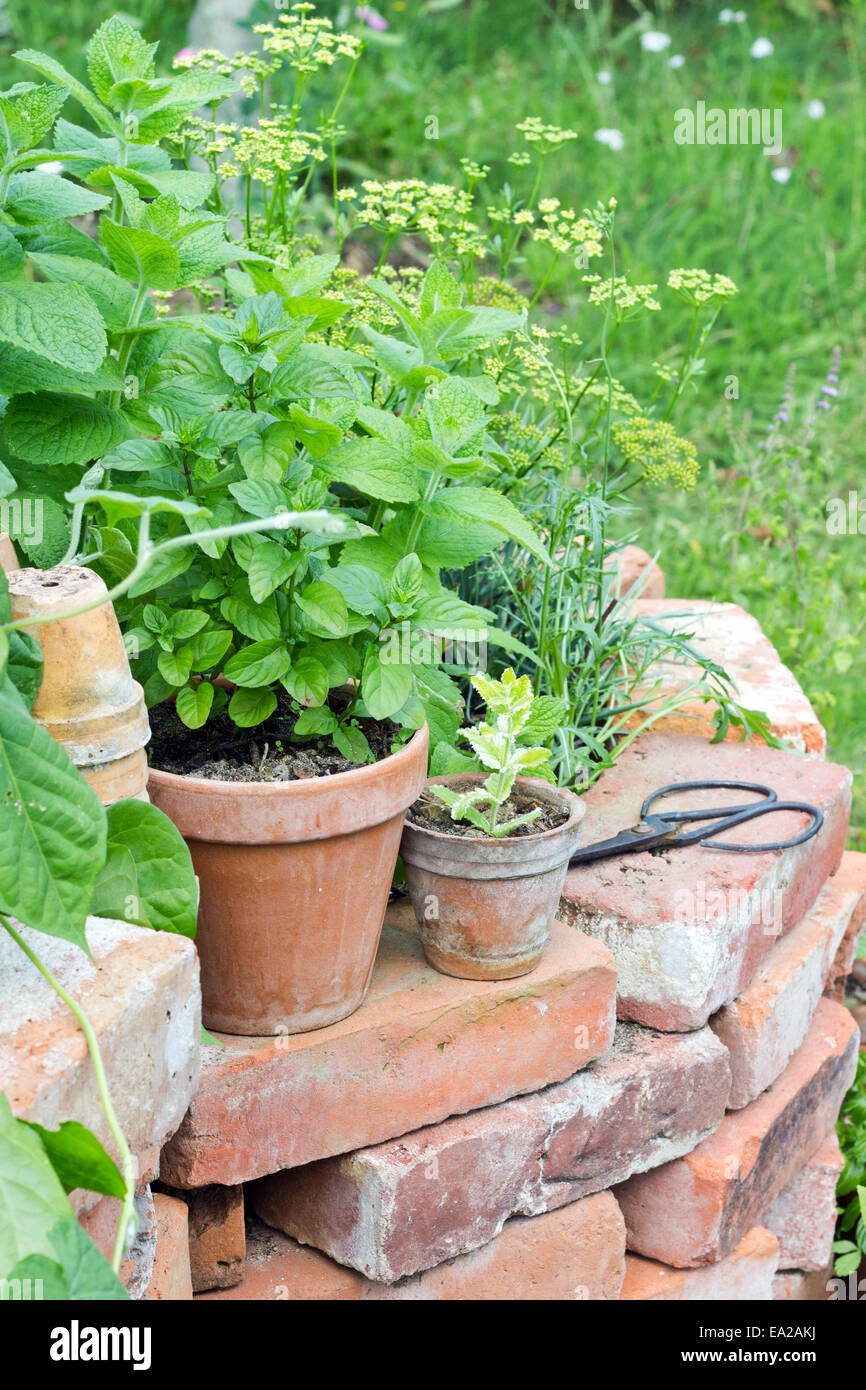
{"x": 486, "y": 857}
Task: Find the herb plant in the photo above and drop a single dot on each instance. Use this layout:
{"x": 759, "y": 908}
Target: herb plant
{"x": 497, "y": 746}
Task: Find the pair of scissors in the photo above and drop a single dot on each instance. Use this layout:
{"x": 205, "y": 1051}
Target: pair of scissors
{"x": 661, "y": 829}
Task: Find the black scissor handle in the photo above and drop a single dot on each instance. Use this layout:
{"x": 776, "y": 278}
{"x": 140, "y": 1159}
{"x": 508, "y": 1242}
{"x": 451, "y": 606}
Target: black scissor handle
{"x": 717, "y": 812}
{"x": 817, "y": 820}
{"x": 729, "y": 816}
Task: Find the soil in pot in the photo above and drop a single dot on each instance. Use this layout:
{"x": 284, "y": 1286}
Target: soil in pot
{"x": 224, "y": 753}
{"x": 295, "y": 849}
{"x": 485, "y": 905}
{"x": 432, "y": 814}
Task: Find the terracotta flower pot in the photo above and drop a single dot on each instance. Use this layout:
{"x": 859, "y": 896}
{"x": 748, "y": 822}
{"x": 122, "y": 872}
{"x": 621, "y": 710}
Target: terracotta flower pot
{"x": 88, "y": 700}
{"x": 484, "y": 907}
{"x": 294, "y": 884}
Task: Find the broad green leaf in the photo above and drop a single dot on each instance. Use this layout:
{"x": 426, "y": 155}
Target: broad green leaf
{"x": 12, "y": 256}
{"x": 113, "y": 297}
{"x": 117, "y": 51}
{"x": 40, "y": 197}
{"x": 468, "y": 505}
{"x": 363, "y": 588}
{"x": 78, "y": 1158}
{"x": 250, "y": 707}
{"x": 439, "y": 290}
{"x": 385, "y": 685}
{"x": 260, "y": 663}
{"x": 374, "y": 469}
{"x": 193, "y": 704}
{"x": 164, "y": 892}
{"x": 315, "y": 722}
{"x": 53, "y": 431}
{"x": 52, "y": 828}
{"x": 175, "y": 667}
{"x": 263, "y": 458}
{"x": 208, "y": 648}
{"x": 258, "y": 621}
{"x": 259, "y": 498}
{"x": 32, "y": 1199}
{"x": 58, "y": 322}
{"x": 352, "y": 743}
{"x": 446, "y": 614}
{"x": 324, "y": 608}
{"x": 307, "y": 681}
{"x": 270, "y": 566}
{"x": 140, "y": 255}
{"x": 50, "y": 68}
{"x": 77, "y": 1271}
{"x": 24, "y": 665}
{"x": 455, "y": 414}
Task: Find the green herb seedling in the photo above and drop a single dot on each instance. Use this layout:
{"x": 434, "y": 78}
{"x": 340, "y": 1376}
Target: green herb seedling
{"x": 495, "y": 745}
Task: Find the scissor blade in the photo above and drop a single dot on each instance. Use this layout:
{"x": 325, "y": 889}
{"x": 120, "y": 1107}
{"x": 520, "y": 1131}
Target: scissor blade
{"x": 626, "y": 842}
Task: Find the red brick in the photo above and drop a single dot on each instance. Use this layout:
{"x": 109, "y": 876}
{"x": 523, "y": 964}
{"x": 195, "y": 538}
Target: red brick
{"x": 746, "y": 1275}
{"x": 424, "y": 1046}
{"x": 765, "y": 1025}
{"x": 170, "y": 1282}
{"x": 217, "y": 1235}
{"x": 100, "y": 1223}
{"x": 411, "y": 1203}
{"x": 854, "y": 866}
{"x": 796, "y": 1285}
{"x": 696, "y": 1209}
{"x": 803, "y": 1215}
{"x": 576, "y": 1253}
{"x": 733, "y": 638}
{"x": 141, "y": 993}
{"x": 688, "y": 928}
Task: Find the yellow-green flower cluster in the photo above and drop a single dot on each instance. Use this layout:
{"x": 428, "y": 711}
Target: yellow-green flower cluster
{"x": 566, "y": 233}
{"x": 658, "y": 451}
{"x": 498, "y": 294}
{"x": 306, "y": 41}
{"x": 253, "y": 66}
{"x": 627, "y": 301}
{"x": 546, "y": 138}
{"x": 699, "y": 286}
{"x": 271, "y": 148}
{"x": 438, "y": 211}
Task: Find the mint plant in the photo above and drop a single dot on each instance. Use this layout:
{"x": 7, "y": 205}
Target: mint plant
{"x": 497, "y": 746}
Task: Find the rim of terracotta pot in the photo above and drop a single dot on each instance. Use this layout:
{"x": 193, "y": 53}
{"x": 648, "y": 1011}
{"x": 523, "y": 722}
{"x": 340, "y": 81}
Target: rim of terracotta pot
{"x": 513, "y": 856}
{"x": 311, "y": 808}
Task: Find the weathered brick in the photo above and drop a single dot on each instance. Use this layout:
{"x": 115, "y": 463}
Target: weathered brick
{"x": 424, "y": 1046}
{"x": 100, "y": 1223}
{"x": 765, "y": 1025}
{"x": 411, "y": 1203}
{"x": 696, "y": 1209}
{"x": 797, "y": 1285}
{"x": 170, "y": 1281}
{"x": 141, "y": 993}
{"x": 575, "y": 1253}
{"x": 217, "y": 1235}
{"x": 854, "y": 867}
{"x": 733, "y": 638}
{"x": 746, "y": 1275}
{"x": 688, "y": 928}
{"x": 803, "y": 1214}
